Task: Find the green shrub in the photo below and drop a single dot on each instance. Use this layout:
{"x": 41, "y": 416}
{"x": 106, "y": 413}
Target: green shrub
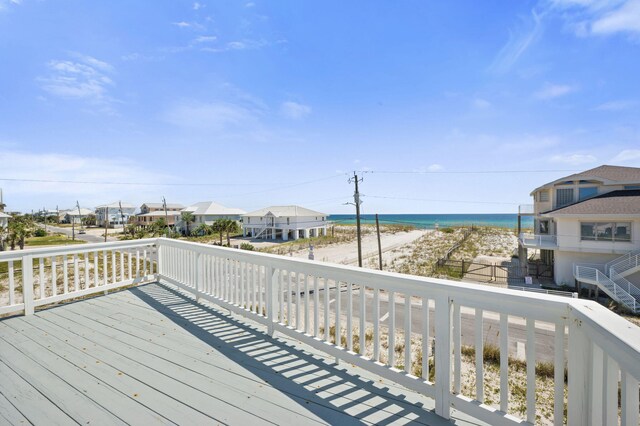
{"x": 40, "y": 233}
{"x": 247, "y": 246}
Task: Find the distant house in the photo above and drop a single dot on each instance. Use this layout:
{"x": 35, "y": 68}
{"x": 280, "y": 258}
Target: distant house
{"x": 590, "y": 221}
{"x": 208, "y": 212}
{"x": 152, "y": 212}
{"x": 75, "y": 216}
{"x": 4, "y": 220}
{"x": 285, "y": 222}
{"x": 111, "y": 214}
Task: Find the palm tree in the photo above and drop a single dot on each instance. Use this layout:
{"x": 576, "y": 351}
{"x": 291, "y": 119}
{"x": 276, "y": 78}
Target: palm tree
{"x": 230, "y": 226}
{"x": 19, "y": 230}
{"x": 219, "y": 227}
{"x": 202, "y": 229}
{"x": 187, "y": 218}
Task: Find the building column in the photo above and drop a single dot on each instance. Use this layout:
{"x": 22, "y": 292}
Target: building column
{"x": 324, "y": 231}
{"x": 273, "y": 233}
{"x": 296, "y": 234}
{"x": 285, "y": 235}
{"x": 244, "y": 232}
{"x": 306, "y": 233}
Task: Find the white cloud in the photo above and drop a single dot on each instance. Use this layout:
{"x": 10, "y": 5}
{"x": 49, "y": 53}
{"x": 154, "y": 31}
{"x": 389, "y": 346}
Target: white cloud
{"x": 551, "y": 91}
{"x": 249, "y": 5}
{"x": 205, "y": 39}
{"x": 600, "y": 17}
{"x": 573, "y": 159}
{"x": 294, "y": 110}
{"x": 627, "y": 156}
{"x": 212, "y": 115}
{"x": 84, "y": 79}
{"x": 481, "y": 103}
{"x": 77, "y": 168}
{"x": 435, "y": 168}
{"x": 519, "y": 41}
{"x": 616, "y": 105}
{"x": 197, "y": 6}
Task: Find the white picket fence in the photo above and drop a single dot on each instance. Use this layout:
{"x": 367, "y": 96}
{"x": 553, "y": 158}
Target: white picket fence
{"x": 305, "y": 299}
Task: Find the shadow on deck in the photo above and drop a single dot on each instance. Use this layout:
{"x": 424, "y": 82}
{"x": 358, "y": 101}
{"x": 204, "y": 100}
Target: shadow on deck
{"x": 153, "y": 355}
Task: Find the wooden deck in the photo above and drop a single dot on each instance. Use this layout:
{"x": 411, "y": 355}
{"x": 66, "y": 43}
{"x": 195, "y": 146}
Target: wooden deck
{"x": 152, "y": 355}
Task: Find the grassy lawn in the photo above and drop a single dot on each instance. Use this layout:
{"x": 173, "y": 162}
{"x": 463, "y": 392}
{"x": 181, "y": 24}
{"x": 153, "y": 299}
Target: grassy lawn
{"x": 50, "y": 240}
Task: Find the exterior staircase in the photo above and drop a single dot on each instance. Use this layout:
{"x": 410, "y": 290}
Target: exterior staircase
{"x": 610, "y": 278}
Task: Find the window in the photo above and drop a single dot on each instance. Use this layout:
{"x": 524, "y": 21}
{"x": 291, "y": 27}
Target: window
{"x": 564, "y": 197}
{"x": 543, "y": 196}
{"x": 543, "y": 227}
{"x": 632, "y": 187}
{"x": 605, "y": 231}
{"x": 588, "y": 192}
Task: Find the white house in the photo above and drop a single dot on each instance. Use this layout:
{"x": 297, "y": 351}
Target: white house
{"x": 75, "y": 216}
{"x": 208, "y": 212}
{"x": 591, "y": 217}
{"x": 115, "y": 213}
{"x": 284, "y": 222}
{"x": 4, "y": 220}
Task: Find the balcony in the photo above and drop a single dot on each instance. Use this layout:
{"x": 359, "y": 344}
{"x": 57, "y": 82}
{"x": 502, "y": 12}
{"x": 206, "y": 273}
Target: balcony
{"x": 538, "y": 241}
{"x": 195, "y": 334}
{"x": 526, "y": 210}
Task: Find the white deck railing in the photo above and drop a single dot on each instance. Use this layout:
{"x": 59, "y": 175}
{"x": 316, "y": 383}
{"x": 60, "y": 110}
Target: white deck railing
{"x": 538, "y": 240}
{"x": 306, "y": 300}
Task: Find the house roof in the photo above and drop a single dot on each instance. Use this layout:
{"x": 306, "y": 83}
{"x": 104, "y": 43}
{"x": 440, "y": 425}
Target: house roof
{"x": 116, "y": 205}
{"x": 211, "y": 208}
{"x": 2, "y": 214}
{"x": 83, "y": 212}
{"x": 622, "y": 202}
{"x": 605, "y": 173}
{"x": 161, "y": 206}
{"x": 288, "y": 211}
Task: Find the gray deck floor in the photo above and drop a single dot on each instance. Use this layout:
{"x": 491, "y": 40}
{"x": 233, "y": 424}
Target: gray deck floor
{"x": 152, "y": 355}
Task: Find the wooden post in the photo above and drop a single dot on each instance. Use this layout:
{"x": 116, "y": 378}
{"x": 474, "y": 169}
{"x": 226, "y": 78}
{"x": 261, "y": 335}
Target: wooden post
{"x": 27, "y": 284}
{"x": 379, "y": 245}
{"x": 106, "y": 223}
{"x": 443, "y": 356}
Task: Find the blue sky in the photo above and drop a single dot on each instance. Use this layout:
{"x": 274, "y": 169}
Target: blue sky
{"x": 255, "y": 103}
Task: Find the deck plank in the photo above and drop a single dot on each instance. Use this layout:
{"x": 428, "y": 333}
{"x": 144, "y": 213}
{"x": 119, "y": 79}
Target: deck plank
{"x": 256, "y": 398}
{"x": 26, "y": 398}
{"x": 339, "y": 390}
{"x": 147, "y": 395}
{"x": 124, "y": 406}
{"x": 9, "y": 414}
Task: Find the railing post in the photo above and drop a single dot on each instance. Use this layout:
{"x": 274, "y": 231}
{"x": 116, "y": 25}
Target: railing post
{"x": 159, "y": 261}
{"x": 578, "y": 362}
{"x": 27, "y": 284}
{"x": 272, "y": 298}
{"x": 443, "y": 356}
{"x": 198, "y": 275}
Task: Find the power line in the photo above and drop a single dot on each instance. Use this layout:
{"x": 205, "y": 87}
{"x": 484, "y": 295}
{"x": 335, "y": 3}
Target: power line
{"x": 467, "y": 172}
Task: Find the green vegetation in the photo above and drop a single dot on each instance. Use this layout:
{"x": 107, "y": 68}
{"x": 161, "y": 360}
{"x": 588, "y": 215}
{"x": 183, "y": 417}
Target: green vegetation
{"x": 51, "y": 240}
{"x": 247, "y": 246}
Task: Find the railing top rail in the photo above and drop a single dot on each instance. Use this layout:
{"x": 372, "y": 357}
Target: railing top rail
{"x": 611, "y": 331}
{"x": 79, "y": 248}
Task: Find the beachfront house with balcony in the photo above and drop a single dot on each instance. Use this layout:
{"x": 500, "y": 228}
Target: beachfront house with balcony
{"x": 152, "y": 212}
{"x": 588, "y": 226}
{"x": 284, "y": 222}
{"x": 114, "y": 214}
{"x": 207, "y": 212}
{"x": 4, "y": 220}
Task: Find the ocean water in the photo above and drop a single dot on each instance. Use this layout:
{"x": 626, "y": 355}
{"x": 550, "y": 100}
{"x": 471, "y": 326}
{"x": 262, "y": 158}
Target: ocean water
{"x": 429, "y": 221}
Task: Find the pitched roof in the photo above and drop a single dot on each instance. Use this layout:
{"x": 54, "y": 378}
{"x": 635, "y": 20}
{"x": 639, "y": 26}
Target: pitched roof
{"x": 211, "y": 208}
{"x": 116, "y": 205}
{"x": 609, "y": 174}
{"x": 161, "y": 206}
{"x": 289, "y": 211}
{"x": 623, "y": 202}
{"x": 83, "y": 212}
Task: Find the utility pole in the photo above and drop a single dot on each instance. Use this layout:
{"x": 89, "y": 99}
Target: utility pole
{"x": 357, "y": 202}
{"x": 106, "y": 222}
{"x": 166, "y": 215}
{"x": 44, "y": 214}
{"x": 379, "y": 245}
{"x": 57, "y": 215}
{"x": 121, "y": 216}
